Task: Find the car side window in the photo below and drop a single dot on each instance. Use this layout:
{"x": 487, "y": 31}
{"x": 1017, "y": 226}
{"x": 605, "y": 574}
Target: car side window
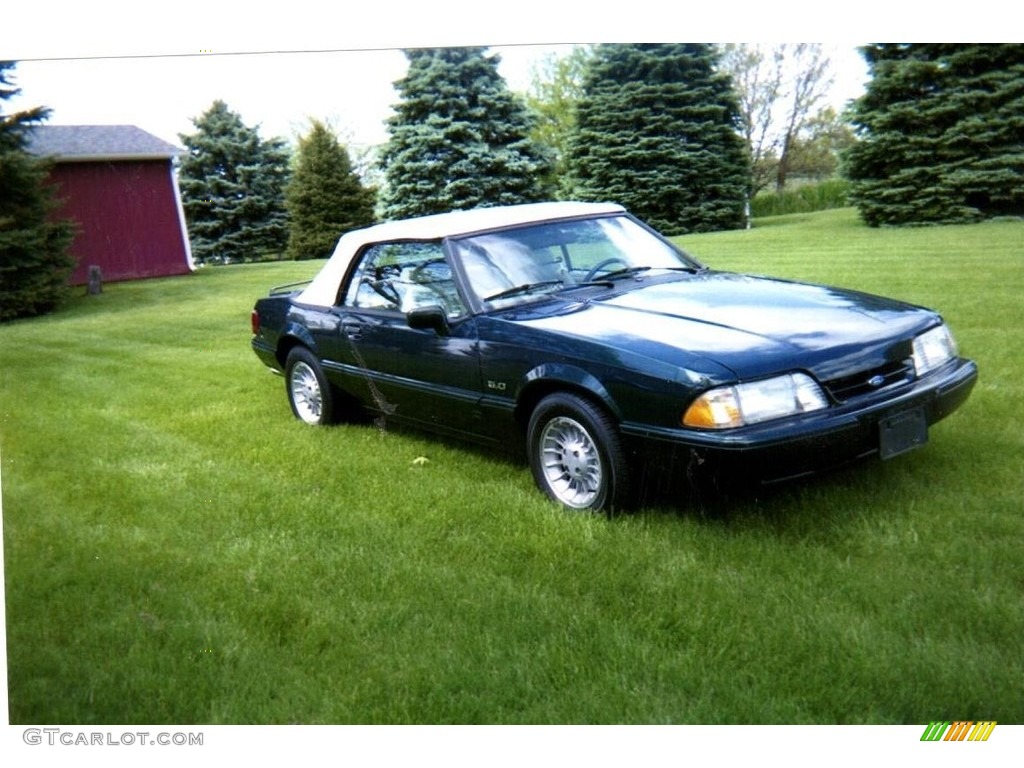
{"x": 402, "y": 277}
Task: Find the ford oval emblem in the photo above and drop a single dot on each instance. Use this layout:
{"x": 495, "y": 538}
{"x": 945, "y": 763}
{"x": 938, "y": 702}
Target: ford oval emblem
{"x": 876, "y": 381}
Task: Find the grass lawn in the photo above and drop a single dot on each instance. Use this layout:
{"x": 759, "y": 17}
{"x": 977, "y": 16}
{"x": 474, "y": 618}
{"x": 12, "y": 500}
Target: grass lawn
{"x": 178, "y": 549}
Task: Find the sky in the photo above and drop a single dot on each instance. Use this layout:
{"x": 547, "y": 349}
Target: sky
{"x": 277, "y": 91}
{"x": 280, "y": 64}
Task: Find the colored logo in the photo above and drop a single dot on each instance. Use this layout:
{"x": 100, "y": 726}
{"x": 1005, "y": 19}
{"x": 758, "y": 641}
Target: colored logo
{"x": 960, "y": 730}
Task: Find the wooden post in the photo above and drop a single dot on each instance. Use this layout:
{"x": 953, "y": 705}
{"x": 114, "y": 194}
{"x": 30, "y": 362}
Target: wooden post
{"x": 95, "y": 281}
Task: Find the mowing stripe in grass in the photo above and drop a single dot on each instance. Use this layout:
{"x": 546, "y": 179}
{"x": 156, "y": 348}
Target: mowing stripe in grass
{"x": 179, "y": 549}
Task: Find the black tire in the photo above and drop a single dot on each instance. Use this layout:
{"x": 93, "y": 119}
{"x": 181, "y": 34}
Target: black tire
{"x": 309, "y": 393}
{"x": 576, "y": 454}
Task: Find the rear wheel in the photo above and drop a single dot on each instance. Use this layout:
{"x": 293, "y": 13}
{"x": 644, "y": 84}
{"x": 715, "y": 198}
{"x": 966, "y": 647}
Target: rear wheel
{"x": 576, "y": 455}
{"x": 309, "y": 393}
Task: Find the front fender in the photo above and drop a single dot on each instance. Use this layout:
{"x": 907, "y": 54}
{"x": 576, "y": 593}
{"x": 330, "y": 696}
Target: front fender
{"x": 551, "y": 377}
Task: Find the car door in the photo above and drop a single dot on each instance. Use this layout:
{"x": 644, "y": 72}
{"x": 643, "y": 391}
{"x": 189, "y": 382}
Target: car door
{"x": 428, "y": 377}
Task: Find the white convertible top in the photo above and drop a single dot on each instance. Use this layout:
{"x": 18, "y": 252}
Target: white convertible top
{"x": 323, "y": 291}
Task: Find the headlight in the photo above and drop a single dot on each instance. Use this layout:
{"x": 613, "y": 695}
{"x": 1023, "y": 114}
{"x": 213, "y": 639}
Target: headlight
{"x": 755, "y": 401}
{"x": 932, "y": 349}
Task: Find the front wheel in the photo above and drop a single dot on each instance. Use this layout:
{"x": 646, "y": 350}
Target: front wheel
{"x": 576, "y": 455}
{"x": 309, "y": 392}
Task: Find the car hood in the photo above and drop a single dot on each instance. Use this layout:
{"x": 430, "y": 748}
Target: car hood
{"x": 752, "y": 326}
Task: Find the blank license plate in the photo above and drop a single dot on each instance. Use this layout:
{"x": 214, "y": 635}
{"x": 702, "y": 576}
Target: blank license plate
{"x": 902, "y": 432}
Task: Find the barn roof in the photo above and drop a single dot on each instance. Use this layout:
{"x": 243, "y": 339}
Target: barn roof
{"x": 81, "y": 143}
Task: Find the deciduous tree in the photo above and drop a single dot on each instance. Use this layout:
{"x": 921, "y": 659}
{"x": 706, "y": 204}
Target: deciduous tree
{"x": 809, "y": 83}
{"x": 555, "y": 89}
{"x": 781, "y": 90}
{"x": 757, "y": 75}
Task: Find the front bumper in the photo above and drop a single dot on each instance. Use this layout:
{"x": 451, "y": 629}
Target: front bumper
{"x": 813, "y": 442}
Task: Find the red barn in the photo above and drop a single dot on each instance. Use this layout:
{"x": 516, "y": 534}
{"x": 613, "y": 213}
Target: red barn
{"x": 118, "y": 184}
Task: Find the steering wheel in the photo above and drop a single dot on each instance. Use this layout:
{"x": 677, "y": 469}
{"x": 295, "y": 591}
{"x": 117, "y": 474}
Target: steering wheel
{"x": 601, "y": 265}
{"x": 385, "y": 289}
{"x": 420, "y": 273}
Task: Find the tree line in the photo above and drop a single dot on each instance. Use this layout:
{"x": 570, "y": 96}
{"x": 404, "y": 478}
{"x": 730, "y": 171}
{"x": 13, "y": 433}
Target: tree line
{"x": 683, "y": 135}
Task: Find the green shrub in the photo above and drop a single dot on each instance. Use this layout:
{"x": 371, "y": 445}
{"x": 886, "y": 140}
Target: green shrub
{"x": 807, "y": 198}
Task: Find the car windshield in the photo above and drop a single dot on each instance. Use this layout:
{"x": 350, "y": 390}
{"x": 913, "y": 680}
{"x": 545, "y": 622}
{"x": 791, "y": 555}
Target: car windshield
{"x": 519, "y": 265}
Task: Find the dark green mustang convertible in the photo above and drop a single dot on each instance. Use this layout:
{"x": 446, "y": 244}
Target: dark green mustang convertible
{"x": 575, "y": 330}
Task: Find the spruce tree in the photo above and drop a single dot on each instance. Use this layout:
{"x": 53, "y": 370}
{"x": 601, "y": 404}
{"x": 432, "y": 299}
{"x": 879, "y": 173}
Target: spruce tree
{"x": 232, "y": 187}
{"x": 941, "y": 130}
{"x": 657, "y": 131}
{"x": 34, "y": 260}
{"x": 325, "y": 197}
{"x": 459, "y": 138}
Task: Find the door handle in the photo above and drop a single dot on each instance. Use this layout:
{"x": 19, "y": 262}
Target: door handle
{"x": 352, "y": 330}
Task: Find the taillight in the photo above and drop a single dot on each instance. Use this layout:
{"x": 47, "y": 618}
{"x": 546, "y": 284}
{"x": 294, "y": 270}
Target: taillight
{"x": 255, "y": 318}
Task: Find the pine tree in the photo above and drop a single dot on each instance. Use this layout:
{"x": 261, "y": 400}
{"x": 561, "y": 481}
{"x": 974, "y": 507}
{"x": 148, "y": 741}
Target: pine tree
{"x": 34, "y": 260}
{"x": 232, "y": 187}
{"x": 657, "y": 132}
{"x": 459, "y": 137}
{"x": 941, "y": 130}
{"x": 325, "y": 197}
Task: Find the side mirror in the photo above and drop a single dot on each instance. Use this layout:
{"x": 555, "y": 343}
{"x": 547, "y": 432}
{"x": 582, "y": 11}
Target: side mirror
{"x": 431, "y": 317}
